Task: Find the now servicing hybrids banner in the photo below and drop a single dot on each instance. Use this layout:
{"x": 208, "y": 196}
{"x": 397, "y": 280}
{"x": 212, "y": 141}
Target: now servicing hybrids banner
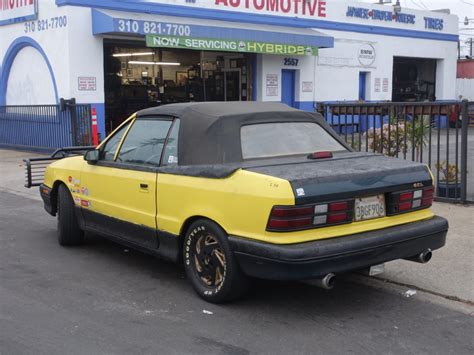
{"x": 214, "y": 44}
{"x": 13, "y": 11}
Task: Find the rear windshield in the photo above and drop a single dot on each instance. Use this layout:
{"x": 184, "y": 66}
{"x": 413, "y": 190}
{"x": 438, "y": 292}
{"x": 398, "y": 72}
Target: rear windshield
{"x": 280, "y": 139}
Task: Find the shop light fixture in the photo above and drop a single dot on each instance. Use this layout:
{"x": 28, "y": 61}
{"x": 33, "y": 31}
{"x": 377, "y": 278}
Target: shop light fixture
{"x": 137, "y": 54}
{"x": 139, "y": 62}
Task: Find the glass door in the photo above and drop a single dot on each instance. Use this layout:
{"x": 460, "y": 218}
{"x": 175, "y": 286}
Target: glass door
{"x": 232, "y": 85}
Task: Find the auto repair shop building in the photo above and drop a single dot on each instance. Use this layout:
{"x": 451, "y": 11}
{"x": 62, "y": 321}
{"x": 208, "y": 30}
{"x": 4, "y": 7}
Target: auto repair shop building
{"x": 122, "y": 56}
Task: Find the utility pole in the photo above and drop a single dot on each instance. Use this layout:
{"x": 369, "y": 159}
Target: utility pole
{"x": 469, "y": 42}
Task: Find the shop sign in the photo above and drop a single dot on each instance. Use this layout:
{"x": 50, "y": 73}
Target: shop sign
{"x": 434, "y": 23}
{"x": 385, "y": 85}
{"x": 380, "y": 15}
{"x": 272, "y": 84}
{"x": 313, "y": 8}
{"x": 13, "y": 11}
{"x": 377, "y": 84}
{"x": 366, "y": 55}
{"x": 307, "y": 86}
{"x": 87, "y": 83}
{"x": 213, "y": 44}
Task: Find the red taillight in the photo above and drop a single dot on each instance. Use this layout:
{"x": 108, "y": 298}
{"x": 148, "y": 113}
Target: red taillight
{"x": 337, "y": 217}
{"x": 406, "y": 196}
{"x": 291, "y": 218}
{"x": 290, "y": 223}
{"x": 292, "y": 212}
{"x": 406, "y": 201}
{"x": 427, "y": 199}
{"x": 320, "y": 155}
{"x": 338, "y": 206}
{"x": 404, "y": 206}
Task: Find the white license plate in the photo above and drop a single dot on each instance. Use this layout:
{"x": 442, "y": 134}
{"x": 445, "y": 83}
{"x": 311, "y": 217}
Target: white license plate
{"x": 369, "y": 207}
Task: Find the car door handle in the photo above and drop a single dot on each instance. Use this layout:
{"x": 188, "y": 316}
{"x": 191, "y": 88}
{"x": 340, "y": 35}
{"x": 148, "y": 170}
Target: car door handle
{"x": 144, "y": 186}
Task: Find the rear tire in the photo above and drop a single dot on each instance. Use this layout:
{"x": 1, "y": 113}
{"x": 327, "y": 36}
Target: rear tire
{"x": 69, "y": 232}
{"x": 210, "y": 264}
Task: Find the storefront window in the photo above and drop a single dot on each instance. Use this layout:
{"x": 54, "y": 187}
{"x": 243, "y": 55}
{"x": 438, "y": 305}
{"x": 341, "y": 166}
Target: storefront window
{"x": 137, "y": 77}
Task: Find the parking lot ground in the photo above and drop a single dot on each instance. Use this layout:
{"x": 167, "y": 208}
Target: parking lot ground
{"x": 451, "y": 270}
{"x": 103, "y": 298}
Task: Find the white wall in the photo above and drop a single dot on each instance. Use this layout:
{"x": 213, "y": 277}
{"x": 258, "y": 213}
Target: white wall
{"x": 274, "y": 64}
{"x": 86, "y": 56}
{"x": 54, "y": 43}
{"x": 26, "y": 86}
{"x": 337, "y": 73}
{"x": 72, "y": 51}
{"x": 465, "y": 89}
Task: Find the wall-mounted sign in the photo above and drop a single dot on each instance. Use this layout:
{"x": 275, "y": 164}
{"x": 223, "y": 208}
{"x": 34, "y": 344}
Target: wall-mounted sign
{"x": 313, "y": 8}
{"x": 272, "y": 84}
{"x": 13, "y": 11}
{"x": 366, "y": 55}
{"x": 434, "y": 23}
{"x": 87, "y": 83}
{"x": 307, "y": 86}
{"x": 377, "y": 83}
{"x": 228, "y": 45}
{"x": 380, "y": 15}
{"x": 385, "y": 85}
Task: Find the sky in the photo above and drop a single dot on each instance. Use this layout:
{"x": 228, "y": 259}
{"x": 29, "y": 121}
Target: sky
{"x": 462, "y": 8}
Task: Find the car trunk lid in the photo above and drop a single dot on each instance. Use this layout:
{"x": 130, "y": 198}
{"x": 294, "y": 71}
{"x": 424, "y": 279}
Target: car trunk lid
{"x": 346, "y": 175}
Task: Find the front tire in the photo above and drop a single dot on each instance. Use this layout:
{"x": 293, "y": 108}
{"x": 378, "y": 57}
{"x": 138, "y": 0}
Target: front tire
{"x": 210, "y": 264}
{"x": 69, "y": 232}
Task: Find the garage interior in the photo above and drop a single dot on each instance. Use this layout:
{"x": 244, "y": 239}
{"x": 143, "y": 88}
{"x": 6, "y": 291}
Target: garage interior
{"x": 137, "y": 77}
{"x": 414, "y": 79}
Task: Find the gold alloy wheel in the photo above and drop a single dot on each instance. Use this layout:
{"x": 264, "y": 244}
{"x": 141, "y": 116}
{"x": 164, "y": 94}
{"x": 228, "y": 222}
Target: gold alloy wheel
{"x": 209, "y": 260}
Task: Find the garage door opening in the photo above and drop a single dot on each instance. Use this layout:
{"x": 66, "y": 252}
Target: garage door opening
{"x": 414, "y": 79}
{"x": 137, "y": 77}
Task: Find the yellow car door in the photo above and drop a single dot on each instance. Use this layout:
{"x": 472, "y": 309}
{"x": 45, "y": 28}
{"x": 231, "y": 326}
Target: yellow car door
{"x": 120, "y": 189}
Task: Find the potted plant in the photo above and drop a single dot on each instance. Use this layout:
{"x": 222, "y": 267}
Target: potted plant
{"x": 449, "y": 185}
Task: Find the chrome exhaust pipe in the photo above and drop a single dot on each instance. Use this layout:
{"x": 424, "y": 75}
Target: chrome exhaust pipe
{"x": 327, "y": 282}
{"x": 421, "y": 258}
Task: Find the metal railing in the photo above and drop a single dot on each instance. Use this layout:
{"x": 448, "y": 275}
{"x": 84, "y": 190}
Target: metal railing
{"x": 435, "y": 133}
{"x": 36, "y": 167}
{"x": 45, "y": 127}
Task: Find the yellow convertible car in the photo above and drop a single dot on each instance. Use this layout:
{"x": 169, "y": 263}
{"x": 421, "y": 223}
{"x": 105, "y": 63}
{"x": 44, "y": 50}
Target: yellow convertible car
{"x": 244, "y": 190}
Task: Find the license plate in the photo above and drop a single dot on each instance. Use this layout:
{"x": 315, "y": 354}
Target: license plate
{"x": 369, "y": 207}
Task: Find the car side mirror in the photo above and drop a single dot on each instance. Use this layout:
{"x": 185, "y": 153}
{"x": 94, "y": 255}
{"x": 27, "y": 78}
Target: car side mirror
{"x": 92, "y": 156}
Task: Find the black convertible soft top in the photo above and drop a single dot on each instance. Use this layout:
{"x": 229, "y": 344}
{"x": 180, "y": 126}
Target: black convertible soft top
{"x": 210, "y": 131}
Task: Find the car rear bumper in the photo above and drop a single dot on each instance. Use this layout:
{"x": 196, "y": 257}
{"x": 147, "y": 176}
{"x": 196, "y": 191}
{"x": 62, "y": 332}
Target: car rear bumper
{"x": 336, "y": 255}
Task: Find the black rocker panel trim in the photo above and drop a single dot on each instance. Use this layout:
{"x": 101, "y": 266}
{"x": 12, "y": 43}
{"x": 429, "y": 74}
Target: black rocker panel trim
{"x": 146, "y": 239}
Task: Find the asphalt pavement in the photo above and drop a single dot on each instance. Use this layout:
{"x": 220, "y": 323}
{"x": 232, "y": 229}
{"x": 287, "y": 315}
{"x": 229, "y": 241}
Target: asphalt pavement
{"x": 102, "y": 298}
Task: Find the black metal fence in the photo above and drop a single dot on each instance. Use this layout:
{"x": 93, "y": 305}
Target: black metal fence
{"x": 45, "y": 127}
{"x": 435, "y": 133}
